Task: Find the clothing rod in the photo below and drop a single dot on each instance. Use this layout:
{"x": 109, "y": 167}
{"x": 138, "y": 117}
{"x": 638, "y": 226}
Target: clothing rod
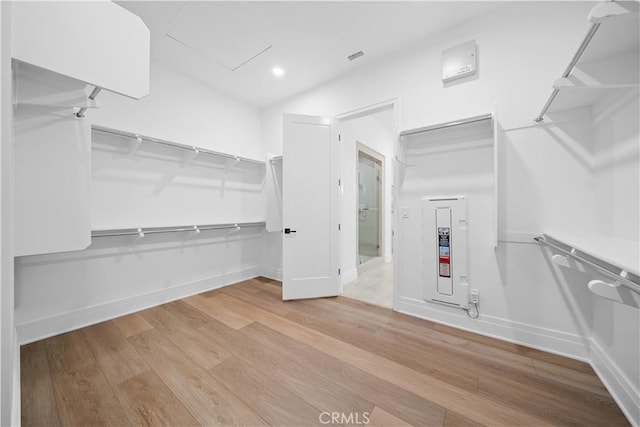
{"x": 576, "y": 57}
{"x": 173, "y": 144}
{"x": 617, "y": 277}
{"x": 447, "y": 125}
{"x": 182, "y": 228}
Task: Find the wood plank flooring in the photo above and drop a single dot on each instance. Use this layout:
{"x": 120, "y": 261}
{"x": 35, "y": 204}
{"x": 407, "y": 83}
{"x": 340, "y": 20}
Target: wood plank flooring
{"x": 240, "y": 356}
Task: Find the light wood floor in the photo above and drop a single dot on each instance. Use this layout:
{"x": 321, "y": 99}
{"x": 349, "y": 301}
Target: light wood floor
{"x": 239, "y": 355}
{"x": 373, "y": 285}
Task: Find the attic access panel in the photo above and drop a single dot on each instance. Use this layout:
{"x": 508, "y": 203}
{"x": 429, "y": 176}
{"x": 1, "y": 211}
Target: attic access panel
{"x": 219, "y": 31}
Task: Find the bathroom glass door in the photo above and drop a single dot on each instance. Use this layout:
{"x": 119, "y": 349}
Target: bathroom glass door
{"x": 369, "y": 197}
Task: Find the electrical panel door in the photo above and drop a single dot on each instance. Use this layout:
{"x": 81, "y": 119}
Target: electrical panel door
{"x": 444, "y": 249}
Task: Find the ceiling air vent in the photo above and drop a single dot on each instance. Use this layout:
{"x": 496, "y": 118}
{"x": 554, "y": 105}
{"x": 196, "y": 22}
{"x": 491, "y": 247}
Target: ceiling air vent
{"x": 355, "y": 55}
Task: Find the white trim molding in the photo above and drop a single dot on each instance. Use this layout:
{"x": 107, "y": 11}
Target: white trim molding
{"x": 626, "y": 395}
{"x": 549, "y": 340}
{"x": 64, "y": 322}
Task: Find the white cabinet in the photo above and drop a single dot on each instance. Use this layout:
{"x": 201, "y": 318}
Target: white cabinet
{"x": 98, "y": 43}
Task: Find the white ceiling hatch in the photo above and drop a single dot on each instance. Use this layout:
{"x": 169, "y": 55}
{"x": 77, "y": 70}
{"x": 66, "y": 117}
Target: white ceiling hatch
{"x": 218, "y": 31}
{"x": 234, "y": 45}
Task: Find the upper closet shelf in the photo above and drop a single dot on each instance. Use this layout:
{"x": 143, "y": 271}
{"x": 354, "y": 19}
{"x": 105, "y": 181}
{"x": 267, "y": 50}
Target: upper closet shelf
{"x": 479, "y": 124}
{"x": 196, "y": 229}
{"x": 605, "y": 62}
{"x": 98, "y": 43}
{"x": 137, "y": 140}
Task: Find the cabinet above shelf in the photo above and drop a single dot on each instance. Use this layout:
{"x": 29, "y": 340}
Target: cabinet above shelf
{"x": 605, "y": 65}
{"x": 98, "y": 43}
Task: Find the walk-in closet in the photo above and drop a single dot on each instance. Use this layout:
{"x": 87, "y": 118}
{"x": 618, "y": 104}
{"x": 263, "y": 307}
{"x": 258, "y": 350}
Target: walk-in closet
{"x": 369, "y": 213}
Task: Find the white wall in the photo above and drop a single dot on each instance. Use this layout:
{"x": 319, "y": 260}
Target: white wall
{"x": 616, "y": 327}
{"x": 518, "y": 60}
{"x": 9, "y": 355}
{"x": 376, "y": 131}
{"x": 156, "y": 186}
{"x": 183, "y": 110}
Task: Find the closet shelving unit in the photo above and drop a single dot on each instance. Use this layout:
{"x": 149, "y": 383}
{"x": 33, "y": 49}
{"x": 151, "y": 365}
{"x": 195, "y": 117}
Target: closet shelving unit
{"x": 604, "y": 65}
{"x": 138, "y": 139}
{"x": 616, "y": 259}
{"x": 603, "y": 70}
{"x": 141, "y": 232}
{"x": 480, "y": 124}
{"x": 275, "y": 159}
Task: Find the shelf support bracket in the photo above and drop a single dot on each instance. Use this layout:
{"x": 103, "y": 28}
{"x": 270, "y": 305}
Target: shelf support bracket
{"x": 610, "y": 9}
{"x": 94, "y": 93}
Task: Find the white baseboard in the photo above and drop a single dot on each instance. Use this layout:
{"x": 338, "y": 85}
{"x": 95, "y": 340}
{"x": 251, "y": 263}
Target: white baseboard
{"x": 348, "y": 276}
{"x": 621, "y": 388}
{"x": 549, "y": 340}
{"x": 54, "y": 325}
{"x": 271, "y": 273}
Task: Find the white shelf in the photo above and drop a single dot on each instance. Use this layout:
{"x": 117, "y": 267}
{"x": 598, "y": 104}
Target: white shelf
{"x": 103, "y": 232}
{"x": 138, "y": 139}
{"x": 475, "y": 125}
{"x": 621, "y": 253}
{"x": 601, "y": 64}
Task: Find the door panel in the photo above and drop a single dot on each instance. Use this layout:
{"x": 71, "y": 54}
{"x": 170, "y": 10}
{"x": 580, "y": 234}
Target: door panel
{"x": 310, "y": 208}
{"x": 368, "y": 208}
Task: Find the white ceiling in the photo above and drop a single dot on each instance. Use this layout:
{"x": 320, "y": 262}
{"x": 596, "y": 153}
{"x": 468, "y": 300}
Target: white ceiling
{"x": 234, "y": 45}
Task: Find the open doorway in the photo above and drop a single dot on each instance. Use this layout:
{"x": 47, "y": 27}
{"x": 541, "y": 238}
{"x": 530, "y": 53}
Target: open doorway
{"x": 369, "y": 139}
{"x": 370, "y": 206}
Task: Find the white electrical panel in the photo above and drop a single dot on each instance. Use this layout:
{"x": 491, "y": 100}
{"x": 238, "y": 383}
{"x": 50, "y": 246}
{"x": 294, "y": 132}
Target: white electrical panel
{"x": 444, "y": 249}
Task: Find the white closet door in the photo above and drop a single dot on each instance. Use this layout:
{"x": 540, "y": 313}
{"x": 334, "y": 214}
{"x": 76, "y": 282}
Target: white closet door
{"x": 311, "y": 196}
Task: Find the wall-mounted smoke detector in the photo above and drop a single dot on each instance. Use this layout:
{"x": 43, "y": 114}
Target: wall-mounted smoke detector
{"x": 356, "y": 55}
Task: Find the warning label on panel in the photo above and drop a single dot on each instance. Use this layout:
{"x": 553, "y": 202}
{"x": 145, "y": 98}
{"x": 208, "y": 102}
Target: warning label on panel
{"x": 444, "y": 251}
{"x": 444, "y": 269}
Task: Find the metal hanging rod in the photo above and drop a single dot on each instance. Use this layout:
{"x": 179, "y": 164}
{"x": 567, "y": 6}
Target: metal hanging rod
{"x": 446, "y": 125}
{"x": 94, "y": 93}
{"x": 173, "y": 144}
{"x": 179, "y": 229}
{"x": 567, "y": 72}
{"x": 618, "y": 277}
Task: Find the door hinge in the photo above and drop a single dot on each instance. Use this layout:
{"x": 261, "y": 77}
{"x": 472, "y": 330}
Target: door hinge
{"x": 338, "y": 272}
{"x": 338, "y": 227}
{"x": 339, "y": 182}
{"x": 339, "y": 137}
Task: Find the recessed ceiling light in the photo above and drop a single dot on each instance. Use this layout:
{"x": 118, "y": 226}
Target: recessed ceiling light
{"x": 277, "y": 71}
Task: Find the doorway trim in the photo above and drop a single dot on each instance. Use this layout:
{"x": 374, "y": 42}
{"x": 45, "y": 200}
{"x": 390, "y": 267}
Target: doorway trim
{"x": 395, "y": 105}
{"x": 379, "y": 157}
